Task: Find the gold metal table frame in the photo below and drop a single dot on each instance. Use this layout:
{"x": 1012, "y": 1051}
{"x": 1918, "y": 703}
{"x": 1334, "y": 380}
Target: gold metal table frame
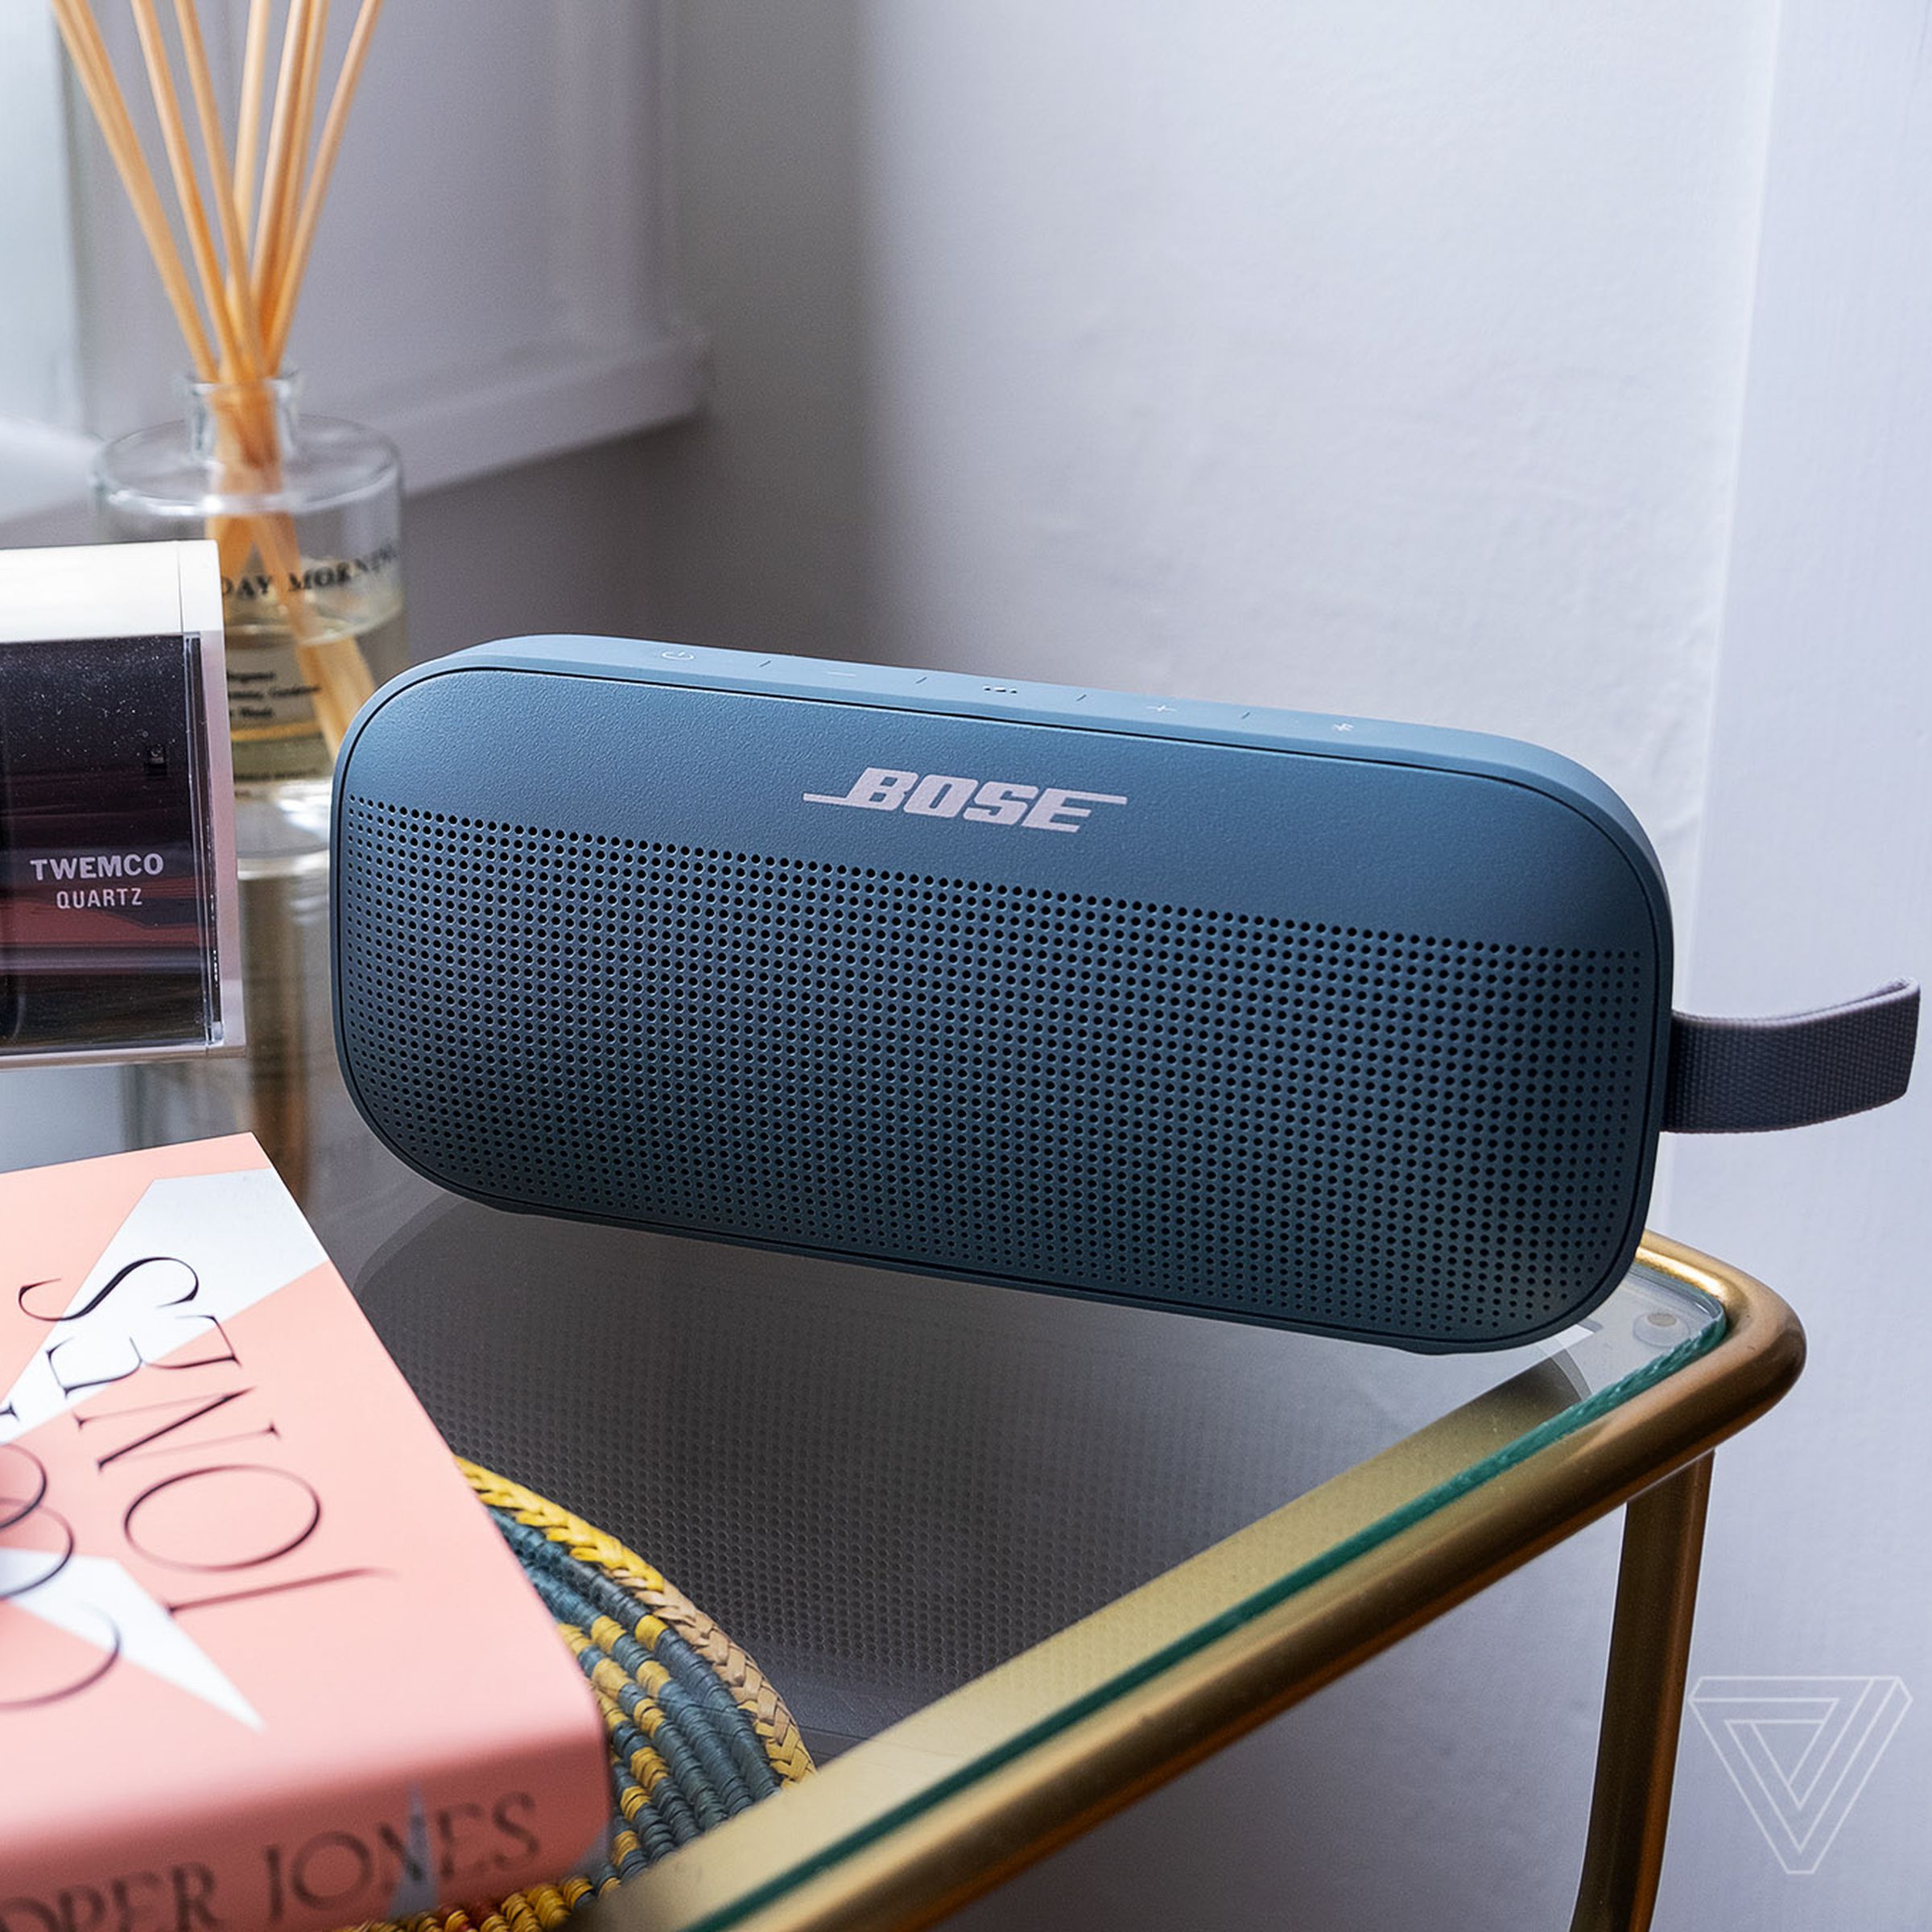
{"x": 911, "y": 1824}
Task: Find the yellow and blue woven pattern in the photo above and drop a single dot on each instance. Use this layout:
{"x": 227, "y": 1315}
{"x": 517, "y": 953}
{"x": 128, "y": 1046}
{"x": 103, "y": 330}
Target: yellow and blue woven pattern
{"x": 696, "y": 1733}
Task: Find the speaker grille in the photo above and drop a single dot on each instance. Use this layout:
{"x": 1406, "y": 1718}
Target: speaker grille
{"x": 1256, "y": 1116}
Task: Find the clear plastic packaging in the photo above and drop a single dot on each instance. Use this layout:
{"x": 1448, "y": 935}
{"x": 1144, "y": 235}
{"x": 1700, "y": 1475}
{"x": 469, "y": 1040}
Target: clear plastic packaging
{"x": 307, "y": 513}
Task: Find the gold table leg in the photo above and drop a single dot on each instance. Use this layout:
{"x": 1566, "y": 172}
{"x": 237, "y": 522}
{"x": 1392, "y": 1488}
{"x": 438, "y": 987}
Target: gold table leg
{"x": 909, "y": 1825}
{"x": 1643, "y": 1703}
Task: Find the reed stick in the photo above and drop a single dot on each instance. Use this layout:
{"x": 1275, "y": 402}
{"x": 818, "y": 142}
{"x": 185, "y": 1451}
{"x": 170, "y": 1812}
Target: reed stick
{"x": 311, "y": 82}
{"x": 236, "y": 325}
{"x": 302, "y": 111}
{"x": 254, "y": 426}
{"x": 282, "y": 309}
{"x": 248, "y": 115}
{"x": 81, "y": 33}
{"x": 244, "y": 317}
{"x": 188, "y": 193}
{"x": 281, "y": 134}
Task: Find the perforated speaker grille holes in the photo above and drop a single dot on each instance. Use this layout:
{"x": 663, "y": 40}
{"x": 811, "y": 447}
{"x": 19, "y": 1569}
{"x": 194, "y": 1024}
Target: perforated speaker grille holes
{"x": 1257, "y": 1116}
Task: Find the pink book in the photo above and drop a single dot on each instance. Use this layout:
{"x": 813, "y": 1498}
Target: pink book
{"x": 264, "y": 1660}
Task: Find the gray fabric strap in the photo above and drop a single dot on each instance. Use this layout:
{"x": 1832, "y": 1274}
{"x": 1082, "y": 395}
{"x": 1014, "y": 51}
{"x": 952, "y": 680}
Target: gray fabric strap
{"x": 1748, "y": 1077}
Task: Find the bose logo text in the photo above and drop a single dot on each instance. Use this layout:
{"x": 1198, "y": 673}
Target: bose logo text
{"x": 988, "y": 802}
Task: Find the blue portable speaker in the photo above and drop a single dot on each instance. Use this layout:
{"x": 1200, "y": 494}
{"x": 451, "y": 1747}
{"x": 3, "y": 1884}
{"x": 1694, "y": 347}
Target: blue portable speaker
{"x": 1348, "y": 1026}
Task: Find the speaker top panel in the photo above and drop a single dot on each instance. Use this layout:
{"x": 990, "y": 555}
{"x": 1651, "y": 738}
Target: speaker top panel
{"x": 1318, "y": 1021}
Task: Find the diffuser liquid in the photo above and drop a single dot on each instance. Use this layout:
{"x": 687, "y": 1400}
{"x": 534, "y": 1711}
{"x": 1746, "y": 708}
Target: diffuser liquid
{"x": 271, "y": 688}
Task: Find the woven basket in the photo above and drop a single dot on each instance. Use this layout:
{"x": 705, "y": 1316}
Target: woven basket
{"x": 696, "y": 1731}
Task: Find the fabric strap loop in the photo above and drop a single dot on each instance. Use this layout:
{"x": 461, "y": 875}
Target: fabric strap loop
{"x": 1752, "y": 1076}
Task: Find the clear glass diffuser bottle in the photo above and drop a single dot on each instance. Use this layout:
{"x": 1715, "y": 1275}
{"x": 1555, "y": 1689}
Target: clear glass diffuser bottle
{"x": 307, "y": 515}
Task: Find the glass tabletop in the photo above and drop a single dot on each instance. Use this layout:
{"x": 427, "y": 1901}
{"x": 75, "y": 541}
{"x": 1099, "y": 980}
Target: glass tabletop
{"x": 953, "y": 1523}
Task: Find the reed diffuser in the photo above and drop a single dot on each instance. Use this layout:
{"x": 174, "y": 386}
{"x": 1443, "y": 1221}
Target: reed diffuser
{"x": 306, "y": 512}
{"x": 235, "y": 307}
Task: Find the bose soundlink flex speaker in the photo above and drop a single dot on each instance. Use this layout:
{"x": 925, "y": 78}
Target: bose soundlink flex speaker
{"x": 1333, "y": 1025}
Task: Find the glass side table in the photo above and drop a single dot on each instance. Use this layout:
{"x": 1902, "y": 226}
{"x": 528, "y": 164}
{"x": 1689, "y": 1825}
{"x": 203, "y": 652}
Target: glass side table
{"x": 1014, "y": 1560}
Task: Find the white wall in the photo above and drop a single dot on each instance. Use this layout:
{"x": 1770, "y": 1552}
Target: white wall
{"x": 751, "y": 525}
{"x": 37, "y": 378}
{"x": 1394, "y": 361}
{"x": 1361, "y": 358}
{"x": 1354, "y": 358}
{"x": 1818, "y": 880}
